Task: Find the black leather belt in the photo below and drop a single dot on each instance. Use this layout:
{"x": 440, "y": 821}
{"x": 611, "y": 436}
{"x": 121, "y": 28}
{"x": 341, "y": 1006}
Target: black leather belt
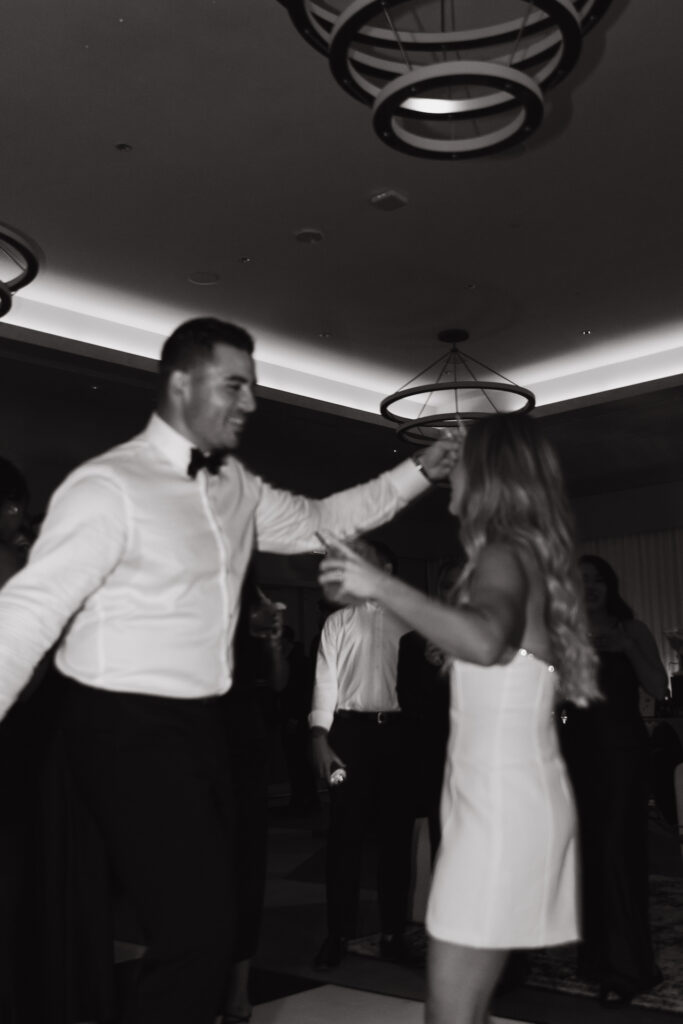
{"x": 371, "y": 717}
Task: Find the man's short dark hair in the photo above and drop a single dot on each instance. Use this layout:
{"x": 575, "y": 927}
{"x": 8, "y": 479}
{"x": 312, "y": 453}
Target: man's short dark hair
{"x": 193, "y": 343}
{"x": 383, "y": 553}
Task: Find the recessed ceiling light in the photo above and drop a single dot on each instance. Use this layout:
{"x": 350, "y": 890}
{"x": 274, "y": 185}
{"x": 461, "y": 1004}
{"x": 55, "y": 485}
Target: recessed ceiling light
{"x": 324, "y": 334}
{"x": 586, "y": 332}
{"x": 246, "y": 259}
{"x": 309, "y": 236}
{"x": 204, "y": 277}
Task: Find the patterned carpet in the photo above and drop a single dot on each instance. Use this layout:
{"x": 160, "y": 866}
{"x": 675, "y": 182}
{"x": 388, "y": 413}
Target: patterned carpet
{"x": 554, "y": 969}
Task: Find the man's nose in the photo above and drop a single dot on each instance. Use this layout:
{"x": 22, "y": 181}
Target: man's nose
{"x": 247, "y": 400}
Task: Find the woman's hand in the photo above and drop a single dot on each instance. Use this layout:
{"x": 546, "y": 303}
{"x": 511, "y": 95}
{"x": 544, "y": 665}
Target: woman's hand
{"x": 350, "y": 575}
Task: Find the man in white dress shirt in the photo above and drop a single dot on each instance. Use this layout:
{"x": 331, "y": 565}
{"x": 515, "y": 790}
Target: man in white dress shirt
{"x": 137, "y": 573}
{"x": 356, "y": 723}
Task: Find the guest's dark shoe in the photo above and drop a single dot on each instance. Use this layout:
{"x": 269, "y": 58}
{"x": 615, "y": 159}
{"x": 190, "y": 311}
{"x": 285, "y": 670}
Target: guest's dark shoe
{"x": 613, "y": 1000}
{"x": 330, "y": 954}
{"x": 398, "y": 951}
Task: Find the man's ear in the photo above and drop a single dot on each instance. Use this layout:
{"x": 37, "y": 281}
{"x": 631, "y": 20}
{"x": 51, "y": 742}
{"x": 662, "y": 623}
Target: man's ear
{"x": 178, "y": 383}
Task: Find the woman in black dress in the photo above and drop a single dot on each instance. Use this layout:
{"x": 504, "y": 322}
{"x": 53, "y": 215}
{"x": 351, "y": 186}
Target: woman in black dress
{"x": 606, "y": 749}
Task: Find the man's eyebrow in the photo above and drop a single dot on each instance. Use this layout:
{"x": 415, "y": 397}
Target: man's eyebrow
{"x": 238, "y": 378}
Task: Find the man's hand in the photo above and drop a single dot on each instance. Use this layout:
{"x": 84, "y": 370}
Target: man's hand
{"x": 324, "y": 757}
{"x": 438, "y": 460}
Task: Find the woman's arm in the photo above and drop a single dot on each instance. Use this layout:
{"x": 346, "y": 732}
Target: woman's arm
{"x": 641, "y": 650}
{"x": 481, "y": 631}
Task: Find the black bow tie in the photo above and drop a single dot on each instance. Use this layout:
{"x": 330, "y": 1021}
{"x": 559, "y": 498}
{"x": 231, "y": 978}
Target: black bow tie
{"x": 211, "y": 462}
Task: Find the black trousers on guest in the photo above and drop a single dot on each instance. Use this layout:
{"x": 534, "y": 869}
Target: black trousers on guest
{"x": 375, "y": 793}
{"x": 155, "y": 776}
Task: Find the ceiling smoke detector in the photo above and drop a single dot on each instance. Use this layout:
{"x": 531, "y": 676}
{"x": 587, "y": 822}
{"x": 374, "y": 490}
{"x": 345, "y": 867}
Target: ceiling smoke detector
{"x": 203, "y": 277}
{"x": 388, "y": 199}
{"x": 309, "y": 236}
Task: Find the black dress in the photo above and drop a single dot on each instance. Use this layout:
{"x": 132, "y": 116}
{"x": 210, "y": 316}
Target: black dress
{"x": 606, "y": 750}
{"x": 423, "y": 693}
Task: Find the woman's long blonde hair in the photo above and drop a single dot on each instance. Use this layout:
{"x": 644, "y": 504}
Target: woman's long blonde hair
{"x": 514, "y": 493}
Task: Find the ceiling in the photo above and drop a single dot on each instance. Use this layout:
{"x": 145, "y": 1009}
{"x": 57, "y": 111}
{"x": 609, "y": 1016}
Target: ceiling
{"x": 560, "y": 256}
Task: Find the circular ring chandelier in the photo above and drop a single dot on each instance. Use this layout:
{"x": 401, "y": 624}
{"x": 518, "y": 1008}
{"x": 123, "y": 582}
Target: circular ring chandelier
{"x": 18, "y": 267}
{"x": 458, "y": 396}
{"x": 448, "y": 78}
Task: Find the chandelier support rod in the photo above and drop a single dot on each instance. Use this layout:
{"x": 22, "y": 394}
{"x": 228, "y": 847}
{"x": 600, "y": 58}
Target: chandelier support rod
{"x": 520, "y": 34}
{"x": 397, "y": 36}
{"x": 471, "y": 359}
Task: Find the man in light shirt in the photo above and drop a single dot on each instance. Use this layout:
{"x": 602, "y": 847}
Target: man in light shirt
{"x": 137, "y": 574}
{"x": 357, "y": 725}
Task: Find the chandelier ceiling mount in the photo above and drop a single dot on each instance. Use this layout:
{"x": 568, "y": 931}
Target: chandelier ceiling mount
{"x": 449, "y": 79}
{"x": 450, "y": 393}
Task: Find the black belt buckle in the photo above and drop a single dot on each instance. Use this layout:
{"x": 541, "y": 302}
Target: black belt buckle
{"x": 380, "y": 718}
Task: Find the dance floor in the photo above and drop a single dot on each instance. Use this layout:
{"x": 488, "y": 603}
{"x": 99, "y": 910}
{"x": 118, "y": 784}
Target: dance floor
{"x": 288, "y": 990}
{"x": 332, "y": 1004}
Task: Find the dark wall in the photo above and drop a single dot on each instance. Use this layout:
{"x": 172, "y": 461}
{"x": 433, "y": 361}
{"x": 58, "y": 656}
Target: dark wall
{"x": 623, "y": 458}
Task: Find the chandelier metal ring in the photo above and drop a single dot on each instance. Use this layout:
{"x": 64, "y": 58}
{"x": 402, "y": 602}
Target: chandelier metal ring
{"x": 320, "y": 20}
{"x": 372, "y": 44}
{"x": 28, "y": 272}
{"x": 387, "y": 108}
{"x": 563, "y": 45}
{"x": 427, "y": 389}
{"x": 17, "y": 259}
{"x": 5, "y": 299}
{"x": 560, "y": 63}
{"x": 430, "y": 428}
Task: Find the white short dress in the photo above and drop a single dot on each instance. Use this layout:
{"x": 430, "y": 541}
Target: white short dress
{"x": 506, "y": 870}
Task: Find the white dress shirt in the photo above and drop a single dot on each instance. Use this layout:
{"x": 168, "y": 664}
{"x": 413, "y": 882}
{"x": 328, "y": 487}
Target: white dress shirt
{"x": 139, "y": 568}
{"x": 356, "y": 665}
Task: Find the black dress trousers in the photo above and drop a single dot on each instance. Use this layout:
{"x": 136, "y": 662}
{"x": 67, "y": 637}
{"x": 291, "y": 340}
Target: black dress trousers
{"x": 155, "y": 776}
{"x": 377, "y": 794}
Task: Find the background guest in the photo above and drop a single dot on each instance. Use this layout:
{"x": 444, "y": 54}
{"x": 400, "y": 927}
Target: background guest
{"x": 295, "y": 703}
{"x": 356, "y": 723}
{"x": 13, "y": 503}
{"x": 423, "y": 687}
{"x": 24, "y": 740}
{"x": 606, "y": 749}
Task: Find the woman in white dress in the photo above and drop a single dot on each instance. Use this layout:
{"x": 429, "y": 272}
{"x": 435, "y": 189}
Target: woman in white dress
{"x": 516, "y": 641}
